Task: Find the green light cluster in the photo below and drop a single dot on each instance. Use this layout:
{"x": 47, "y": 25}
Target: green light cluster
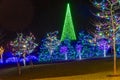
{"x": 68, "y": 28}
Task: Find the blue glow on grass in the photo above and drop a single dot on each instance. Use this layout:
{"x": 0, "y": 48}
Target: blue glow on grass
{"x": 12, "y": 60}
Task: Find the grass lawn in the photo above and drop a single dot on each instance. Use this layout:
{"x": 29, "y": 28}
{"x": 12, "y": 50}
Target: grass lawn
{"x": 96, "y": 69}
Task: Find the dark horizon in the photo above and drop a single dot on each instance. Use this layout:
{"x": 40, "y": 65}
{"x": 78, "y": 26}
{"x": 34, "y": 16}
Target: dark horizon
{"x": 41, "y": 17}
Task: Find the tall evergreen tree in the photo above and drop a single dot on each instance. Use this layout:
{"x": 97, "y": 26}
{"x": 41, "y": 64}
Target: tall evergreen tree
{"x": 68, "y": 28}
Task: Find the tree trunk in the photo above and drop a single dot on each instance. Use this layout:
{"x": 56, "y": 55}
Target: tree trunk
{"x": 31, "y": 63}
{"x": 1, "y": 58}
{"x": 66, "y": 58}
{"x": 51, "y": 52}
{"x": 24, "y": 59}
{"x": 104, "y": 53}
{"x": 114, "y": 50}
{"x": 114, "y": 40}
{"x": 79, "y": 55}
{"x": 19, "y": 68}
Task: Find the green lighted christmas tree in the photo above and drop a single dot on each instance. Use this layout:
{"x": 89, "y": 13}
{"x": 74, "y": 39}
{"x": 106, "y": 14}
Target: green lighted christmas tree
{"x": 68, "y": 28}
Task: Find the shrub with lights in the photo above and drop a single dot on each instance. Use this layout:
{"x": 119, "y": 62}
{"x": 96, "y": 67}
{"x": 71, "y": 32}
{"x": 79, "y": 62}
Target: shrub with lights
{"x": 86, "y": 42}
{"x": 67, "y": 49}
{"x": 48, "y": 46}
{"x": 103, "y": 45}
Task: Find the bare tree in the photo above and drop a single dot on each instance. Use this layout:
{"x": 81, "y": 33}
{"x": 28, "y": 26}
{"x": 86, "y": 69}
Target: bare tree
{"x": 110, "y": 21}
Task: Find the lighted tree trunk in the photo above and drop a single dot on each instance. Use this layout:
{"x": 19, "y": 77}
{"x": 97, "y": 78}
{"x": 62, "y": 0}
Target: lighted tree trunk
{"x": 51, "y": 51}
{"x": 79, "y": 53}
{"x": 1, "y": 58}
{"x": 104, "y": 53}
{"x": 114, "y": 50}
{"x": 24, "y": 59}
{"x": 114, "y": 41}
{"x": 66, "y": 58}
{"x": 1, "y": 53}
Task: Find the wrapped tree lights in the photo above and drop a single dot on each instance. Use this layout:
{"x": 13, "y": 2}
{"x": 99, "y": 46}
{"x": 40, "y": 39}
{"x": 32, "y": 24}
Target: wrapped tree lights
{"x": 67, "y": 49}
{"x": 23, "y": 45}
{"x": 87, "y": 44}
{"x": 51, "y": 42}
{"x": 103, "y": 45}
{"x": 48, "y": 46}
{"x": 109, "y": 12}
{"x": 1, "y": 54}
{"x": 64, "y": 50}
{"x": 79, "y": 50}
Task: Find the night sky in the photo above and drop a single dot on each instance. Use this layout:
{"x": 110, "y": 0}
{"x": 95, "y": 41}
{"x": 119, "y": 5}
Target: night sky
{"x": 41, "y": 16}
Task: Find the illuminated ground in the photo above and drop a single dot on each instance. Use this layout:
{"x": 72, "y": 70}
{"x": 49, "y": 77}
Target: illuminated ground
{"x": 96, "y": 69}
{"x": 94, "y": 76}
